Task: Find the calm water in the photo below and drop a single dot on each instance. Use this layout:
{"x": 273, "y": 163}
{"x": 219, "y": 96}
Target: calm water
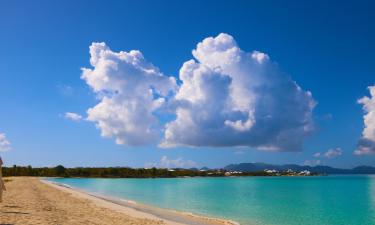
{"x": 326, "y": 200}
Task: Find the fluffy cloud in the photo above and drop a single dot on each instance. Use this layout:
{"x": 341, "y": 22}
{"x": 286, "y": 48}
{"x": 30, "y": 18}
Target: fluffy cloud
{"x": 333, "y": 153}
{"x": 4, "y": 143}
{"x": 317, "y": 155}
{"x": 130, "y": 90}
{"x": 366, "y": 144}
{"x": 226, "y": 97}
{"x": 165, "y": 162}
{"x": 229, "y": 97}
{"x": 330, "y": 153}
{"x": 73, "y": 116}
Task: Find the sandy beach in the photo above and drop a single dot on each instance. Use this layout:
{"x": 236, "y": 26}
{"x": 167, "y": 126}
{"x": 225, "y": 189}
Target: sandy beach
{"x": 32, "y": 201}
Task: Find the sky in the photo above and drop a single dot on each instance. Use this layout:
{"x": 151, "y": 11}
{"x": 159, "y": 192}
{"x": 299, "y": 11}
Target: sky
{"x": 187, "y": 83}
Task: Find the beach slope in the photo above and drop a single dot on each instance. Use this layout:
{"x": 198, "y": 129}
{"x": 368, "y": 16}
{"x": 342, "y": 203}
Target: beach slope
{"x": 29, "y": 201}
{"x": 32, "y": 201}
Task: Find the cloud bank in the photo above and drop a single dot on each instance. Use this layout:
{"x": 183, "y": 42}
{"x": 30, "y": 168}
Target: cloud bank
{"x": 4, "y": 143}
{"x": 366, "y": 144}
{"x": 225, "y": 97}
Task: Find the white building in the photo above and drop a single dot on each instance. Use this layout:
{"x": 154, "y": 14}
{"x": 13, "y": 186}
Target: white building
{"x": 270, "y": 171}
{"x": 305, "y": 172}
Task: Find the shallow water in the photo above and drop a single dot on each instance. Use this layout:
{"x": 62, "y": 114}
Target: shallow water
{"x": 326, "y": 200}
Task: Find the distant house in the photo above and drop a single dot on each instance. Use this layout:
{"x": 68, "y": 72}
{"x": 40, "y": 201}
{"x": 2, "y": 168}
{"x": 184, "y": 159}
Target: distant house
{"x": 305, "y": 173}
{"x": 229, "y": 173}
{"x": 236, "y": 172}
{"x": 290, "y": 171}
{"x": 270, "y": 171}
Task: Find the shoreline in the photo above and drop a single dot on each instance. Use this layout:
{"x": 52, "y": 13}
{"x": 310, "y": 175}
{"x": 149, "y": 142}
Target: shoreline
{"x": 139, "y": 210}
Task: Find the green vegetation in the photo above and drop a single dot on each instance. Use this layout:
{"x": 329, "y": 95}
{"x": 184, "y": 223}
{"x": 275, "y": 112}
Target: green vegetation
{"x": 122, "y": 172}
{"x": 115, "y": 172}
{"x": 110, "y": 172}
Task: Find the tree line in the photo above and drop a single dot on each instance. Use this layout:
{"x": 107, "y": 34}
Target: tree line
{"x": 115, "y": 172}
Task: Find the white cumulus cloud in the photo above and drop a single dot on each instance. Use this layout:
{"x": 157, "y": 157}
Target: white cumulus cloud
{"x": 4, "y": 143}
{"x": 73, "y": 116}
{"x": 366, "y": 144}
{"x": 229, "y": 97}
{"x": 225, "y": 97}
{"x": 130, "y": 90}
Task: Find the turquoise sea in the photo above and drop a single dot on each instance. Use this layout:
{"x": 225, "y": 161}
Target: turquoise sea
{"x": 323, "y": 200}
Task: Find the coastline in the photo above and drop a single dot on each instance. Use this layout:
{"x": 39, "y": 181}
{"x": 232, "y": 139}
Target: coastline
{"x": 138, "y": 210}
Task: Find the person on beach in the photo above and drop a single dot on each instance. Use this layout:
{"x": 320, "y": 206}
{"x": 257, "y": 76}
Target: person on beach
{"x": 2, "y": 185}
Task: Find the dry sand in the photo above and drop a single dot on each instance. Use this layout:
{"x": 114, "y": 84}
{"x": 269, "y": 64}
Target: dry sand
{"x": 31, "y": 201}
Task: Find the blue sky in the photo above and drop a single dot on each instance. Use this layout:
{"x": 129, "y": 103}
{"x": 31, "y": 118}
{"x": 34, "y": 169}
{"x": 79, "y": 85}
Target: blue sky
{"x": 326, "y": 48}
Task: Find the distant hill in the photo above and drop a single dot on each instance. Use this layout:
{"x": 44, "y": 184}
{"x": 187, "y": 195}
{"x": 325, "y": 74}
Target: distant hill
{"x": 254, "y": 167}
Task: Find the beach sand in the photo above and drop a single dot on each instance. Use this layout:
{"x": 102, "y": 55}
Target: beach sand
{"x": 32, "y": 201}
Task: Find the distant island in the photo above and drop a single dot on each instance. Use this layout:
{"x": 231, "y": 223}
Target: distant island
{"x": 251, "y": 167}
{"x": 242, "y": 169}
